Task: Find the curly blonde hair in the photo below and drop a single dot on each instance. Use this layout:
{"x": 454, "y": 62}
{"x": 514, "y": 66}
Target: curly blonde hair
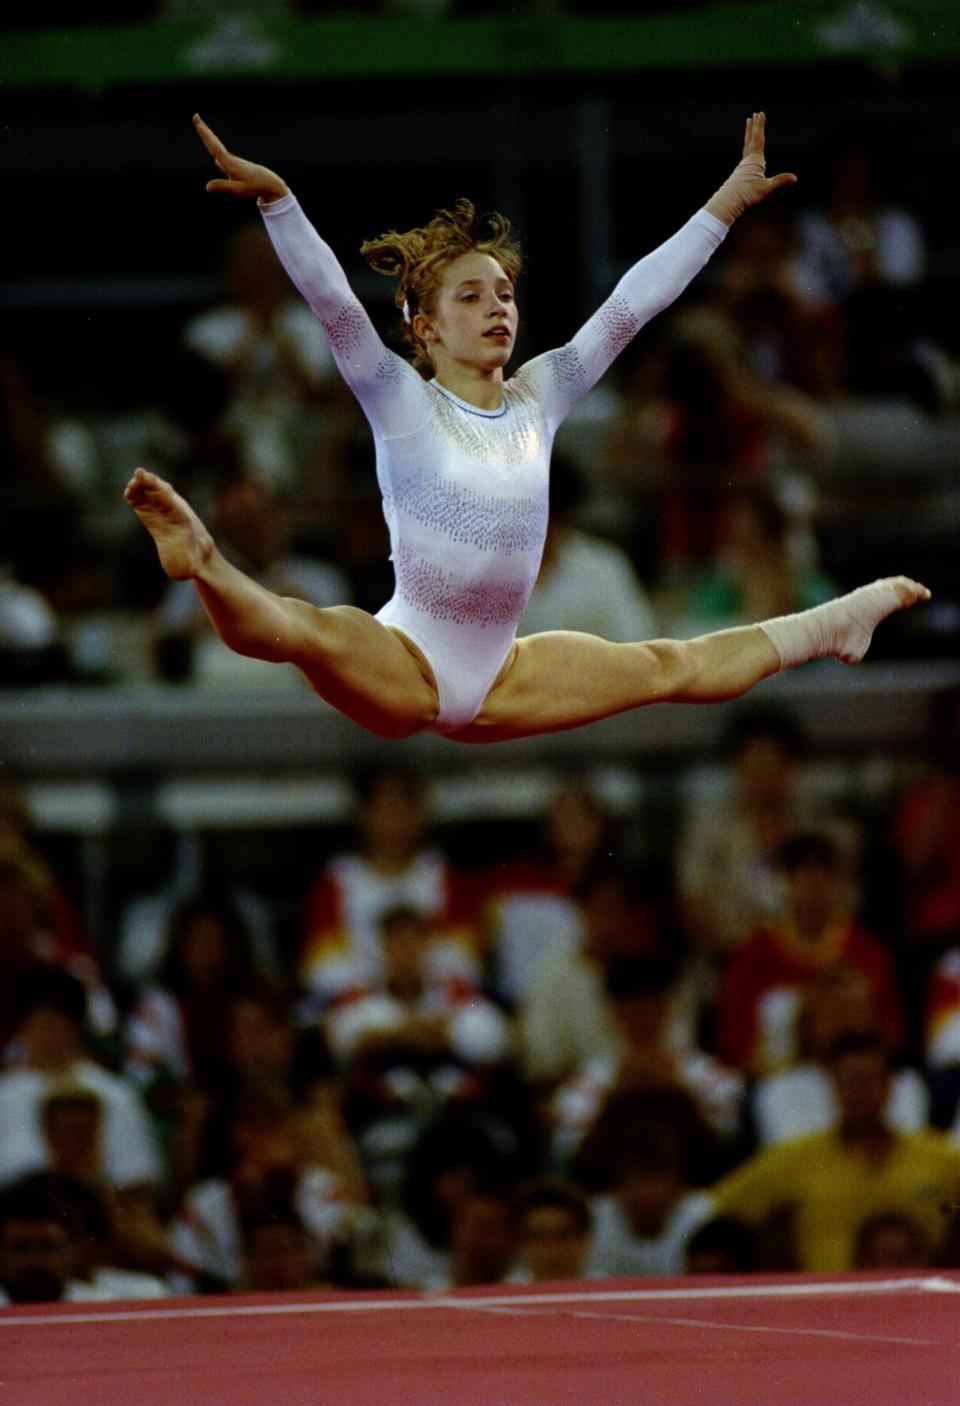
{"x": 419, "y": 257}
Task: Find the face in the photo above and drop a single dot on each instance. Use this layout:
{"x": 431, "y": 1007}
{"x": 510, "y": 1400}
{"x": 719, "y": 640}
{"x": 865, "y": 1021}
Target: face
{"x": 552, "y": 1242}
{"x": 474, "y": 318}
{"x": 50, "y": 1039}
{"x": 648, "y": 1194}
{"x": 767, "y": 770}
{"x": 394, "y": 816}
{"x": 642, "y": 1017}
{"x": 278, "y": 1257}
{"x": 72, "y": 1132}
{"x": 204, "y": 948}
{"x": 258, "y": 1041}
{"x": 481, "y": 1239}
{"x": 862, "y": 1084}
{"x": 35, "y": 1260}
{"x": 894, "y": 1243}
{"x": 815, "y": 891}
{"x": 841, "y": 1005}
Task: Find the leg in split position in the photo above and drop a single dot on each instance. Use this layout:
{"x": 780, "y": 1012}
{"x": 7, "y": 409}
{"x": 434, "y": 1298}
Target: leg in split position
{"x": 358, "y": 665}
{"x": 563, "y": 680}
{"x": 551, "y": 683}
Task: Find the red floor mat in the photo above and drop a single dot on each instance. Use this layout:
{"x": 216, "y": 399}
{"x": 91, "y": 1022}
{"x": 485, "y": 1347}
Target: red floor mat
{"x": 784, "y": 1342}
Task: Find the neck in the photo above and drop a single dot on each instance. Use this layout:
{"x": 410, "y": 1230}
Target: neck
{"x": 478, "y": 387}
{"x": 873, "y": 1140}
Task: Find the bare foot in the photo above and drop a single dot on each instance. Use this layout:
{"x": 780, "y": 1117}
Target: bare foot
{"x": 858, "y": 614}
{"x": 183, "y": 543}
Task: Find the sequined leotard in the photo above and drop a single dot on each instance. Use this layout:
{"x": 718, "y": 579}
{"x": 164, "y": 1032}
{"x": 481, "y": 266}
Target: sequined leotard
{"x": 465, "y": 490}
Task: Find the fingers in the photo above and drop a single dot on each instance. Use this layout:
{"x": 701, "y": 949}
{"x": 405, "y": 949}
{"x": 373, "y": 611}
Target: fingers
{"x": 211, "y": 141}
{"x": 785, "y": 178}
{"x": 754, "y": 135}
{"x": 229, "y": 187}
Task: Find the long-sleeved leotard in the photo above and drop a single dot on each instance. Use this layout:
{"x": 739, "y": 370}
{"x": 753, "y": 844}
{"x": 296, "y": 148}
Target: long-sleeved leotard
{"x": 465, "y": 491}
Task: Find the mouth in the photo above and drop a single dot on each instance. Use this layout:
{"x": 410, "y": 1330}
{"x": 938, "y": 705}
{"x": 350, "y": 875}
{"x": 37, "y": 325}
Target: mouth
{"x": 499, "y": 332}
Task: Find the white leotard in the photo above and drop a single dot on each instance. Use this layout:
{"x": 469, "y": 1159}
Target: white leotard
{"x": 465, "y": 490}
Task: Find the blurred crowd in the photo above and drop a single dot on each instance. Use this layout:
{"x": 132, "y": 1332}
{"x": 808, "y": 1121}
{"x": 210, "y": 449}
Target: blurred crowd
{"x": 556, "y": 1059}
{"x": 548, "y": 1062}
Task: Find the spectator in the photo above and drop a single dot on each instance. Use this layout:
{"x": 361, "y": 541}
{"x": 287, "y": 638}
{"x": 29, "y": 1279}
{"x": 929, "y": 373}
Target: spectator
{"x": 39, "y": 928}
{"x": 31, "y": 643}
{"x": 71, "y": 1126}
{"x": 800, "y": 1098}
{"x": 642, "y": 1226}
{"x": 459, "y": 1154}
{"x": 37, "y": 1244}
{"x": 766, "y": 976}
{"x": 532, "y": 908}
{"x": 792, "y": 332}
{"x": 152, "y": 922}
{"x": 758, "y": 571}
{"x": 262, "y": 1043}
{"x": 723, "y": 1245}
{"x": 891, "y": 1241}
{"x": 567, "y": 1020}
{"x": 868, "y": 255}
{"x": 42, "y": 575}
{"x": 642, "y": 1058}
{"x": 421, "y": 1038}
{"x": 54, "y": 1246}
{"x": 926, "y": 844}
{"x": 258, "y": 1166}
{"x": 276, "y": 359}
{"x": 707, "y": 423}
{"x": 727, "y": 870}
{"x": 53, "y": 927}
{"x": 481, "y": 1237}
{"x": 392, "y": 866}
{"x": 278, "y": 1256}
{"x": 176, "y": 1033}
{"x": 552, "y": 1222}
{"x": 829, "y": 1182}
{"x": 51, "y": 1044}
{"x": 942, "y": 1039}
{"x": 97, "y": 1275}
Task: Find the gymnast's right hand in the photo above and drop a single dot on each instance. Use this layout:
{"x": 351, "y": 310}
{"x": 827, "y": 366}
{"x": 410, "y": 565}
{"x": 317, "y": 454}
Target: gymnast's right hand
{"x": 240, "y": 177}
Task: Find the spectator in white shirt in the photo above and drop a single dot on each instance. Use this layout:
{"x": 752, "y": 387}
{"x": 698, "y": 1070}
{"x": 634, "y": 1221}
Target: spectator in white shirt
{"x": 643, "y": 1225}
{"x": 52, "y": 1055}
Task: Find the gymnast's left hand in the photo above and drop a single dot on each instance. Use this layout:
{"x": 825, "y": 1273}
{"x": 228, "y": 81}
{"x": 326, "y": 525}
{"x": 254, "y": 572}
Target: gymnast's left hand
{"x": 240, "y": 177}
{"x": 749, "y": 183}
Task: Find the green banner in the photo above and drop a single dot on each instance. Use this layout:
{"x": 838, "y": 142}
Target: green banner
{"x": 286, "y": 48}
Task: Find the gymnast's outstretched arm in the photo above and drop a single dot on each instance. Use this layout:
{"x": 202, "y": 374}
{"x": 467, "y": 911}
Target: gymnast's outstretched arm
{"x": 655, "y": 282}
{"x": 387, "y": 387}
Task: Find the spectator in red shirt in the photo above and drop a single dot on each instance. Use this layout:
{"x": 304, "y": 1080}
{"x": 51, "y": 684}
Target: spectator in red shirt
{"x": 766, "y": 976}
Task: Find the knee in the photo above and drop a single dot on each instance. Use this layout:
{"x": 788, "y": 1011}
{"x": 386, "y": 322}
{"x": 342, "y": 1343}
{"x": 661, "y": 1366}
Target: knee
{"x": 674, "y": 667}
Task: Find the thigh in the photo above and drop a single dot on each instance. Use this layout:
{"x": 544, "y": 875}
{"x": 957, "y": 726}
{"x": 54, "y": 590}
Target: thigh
{"x": 563, "y": 679}
{"x": 366, "y": 670}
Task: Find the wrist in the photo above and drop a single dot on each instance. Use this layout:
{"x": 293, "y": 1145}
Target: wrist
{"x": 730, "y": 200}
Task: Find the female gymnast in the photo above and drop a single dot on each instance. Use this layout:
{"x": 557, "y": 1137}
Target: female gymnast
{"x": 462, "y": 463}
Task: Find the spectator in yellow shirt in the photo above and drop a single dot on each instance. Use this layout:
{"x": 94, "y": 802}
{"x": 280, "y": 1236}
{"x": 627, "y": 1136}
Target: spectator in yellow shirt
{"x": 826, "y": 1185}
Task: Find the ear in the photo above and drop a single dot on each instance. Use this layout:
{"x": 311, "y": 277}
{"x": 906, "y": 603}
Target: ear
{"x": 422, "y": 328}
